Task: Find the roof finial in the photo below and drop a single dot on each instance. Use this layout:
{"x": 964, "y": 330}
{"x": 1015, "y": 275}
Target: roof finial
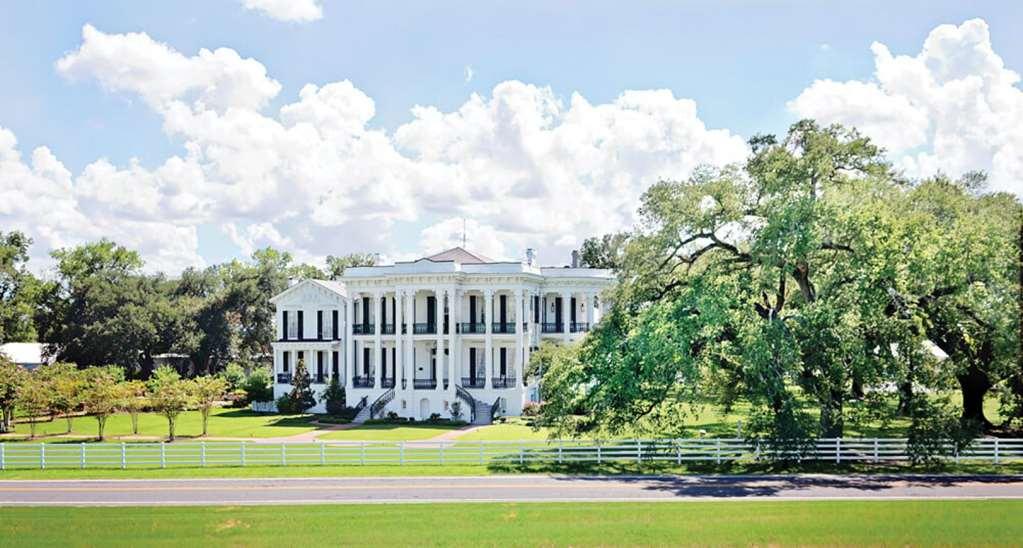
{"x": 463, "y": 232}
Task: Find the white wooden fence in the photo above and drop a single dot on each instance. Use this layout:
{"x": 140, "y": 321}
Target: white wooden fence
{"x": 707, "y": 450}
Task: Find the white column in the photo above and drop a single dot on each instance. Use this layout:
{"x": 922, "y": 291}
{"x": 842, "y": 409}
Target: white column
{"x": 399, "y": 339}
{"x": 349, "y": 368}
{"x": 589, "y": 309}
{"x": 452, "y": 356}
{"x": 488, "y": 299}
{"x": 438, "y": 320}
{"x": 410, "y": 374}
{"x": 566, "y": 316}
{"x": 519, "y": 328}
{"x": 377, "y": 346}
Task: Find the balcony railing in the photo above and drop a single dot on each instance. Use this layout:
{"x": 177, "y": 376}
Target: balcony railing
{"x": 469, "y": 382}
{"x": 468, "y": 327}
{"x": 363, "y": 329}
{"x": 551, "y": 328}
{"x": 503, "y": 382}
{"x": 507, "y": 327}
{"x": 387, "y": 382}
{"x": 580, "y": 327}
{"x": 362, "y": 382}
{"x": 424, "y": 328}
{"x": 387, "y": 329}
{"x": 284, "y": 378}
{"x": 424, "y": 384}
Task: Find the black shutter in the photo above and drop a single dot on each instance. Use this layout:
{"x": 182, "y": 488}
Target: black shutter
{"x": 536, "y": 309}
{"x": 472, "y": 363}
{"x": 557, "y": 311}
{"x": 504, "y": 361}
{"x": 504, "y": 306}
{"x": 472, "y": 309}
{"x": 383, "y": 365}
{"x": 301, "y": 325}
{"x": 365, "y": 362}
{"x": 365, "y": 311}
{"x": 394, "y": 313}
{"x": 571, "y": 309}
{"x": 333, "y": 324}
{"x": 334, "y": 363}
{"x": 319, "y": 324}
{"x": 431, "y": 310}
{"x": 319, "y": 365}
{"x": 284, "y": 335}
{"x": 284, "y": 363}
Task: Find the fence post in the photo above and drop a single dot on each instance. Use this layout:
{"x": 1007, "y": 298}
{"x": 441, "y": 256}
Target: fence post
{"x": 838, "y": 450}
{"x": 284, "y": 454}
{"x": 202, "y": 454}
{"x": 323, "y": 453}
{"x": 957, "y": 454}
{"x": 678, "y": 452}
{"x": 996, "y": 451}
{"x": 875, "y": 450}
{"x": 81, "y": 454}
{"x": 241, "y": 450}
{"x": 362, "y": 455}
{"x": 598, "y": 452}
{"x": 163, "y": 454}
{"x": 756, "y": 450}
{"x": 717, "y": 451}
{"x": 124, "y": 455}
{"x": 560, "y": 443}
{"x": 3, "y": 460}
{"x": 42, "y": 456}
{"x": 401, "y": 453}
{"x": 639, "y": 451}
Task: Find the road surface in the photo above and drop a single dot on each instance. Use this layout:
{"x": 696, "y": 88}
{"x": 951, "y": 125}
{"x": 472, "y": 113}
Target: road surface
{"x": 501, "y": 488}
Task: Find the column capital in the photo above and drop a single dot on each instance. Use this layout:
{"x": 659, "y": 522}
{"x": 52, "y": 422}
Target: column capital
{"x": 488, "y": 293}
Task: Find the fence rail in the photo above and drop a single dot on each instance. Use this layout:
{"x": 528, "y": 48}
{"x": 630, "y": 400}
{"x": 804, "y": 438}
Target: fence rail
{"x": 708, "y": 450}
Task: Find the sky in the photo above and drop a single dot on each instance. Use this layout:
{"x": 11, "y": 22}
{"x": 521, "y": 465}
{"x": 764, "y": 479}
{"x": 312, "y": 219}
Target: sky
{"x": 198, "y": 131}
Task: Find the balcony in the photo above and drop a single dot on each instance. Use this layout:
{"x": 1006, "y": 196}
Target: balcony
{"x": 362, "y": 382}
{"x": 550, "y": 328}
{"x": 506, "y": 327}
{"x": 362, "y": 329}
{"x": 424, "y": 384}
{"x": 468, "y": 382}
{"x": 470, "y": 328}
{"x": 503, "y": 382}
{"x": 580, "y": 327}
{"x": 387, "y": 382}
{"x": 387, "y": 329}
{"x": 424, "y": 329}
{"x": 284, "y": 378}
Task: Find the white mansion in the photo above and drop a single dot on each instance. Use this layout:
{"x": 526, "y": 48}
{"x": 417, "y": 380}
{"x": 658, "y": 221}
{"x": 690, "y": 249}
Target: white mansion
{"x": 416, "y": 337}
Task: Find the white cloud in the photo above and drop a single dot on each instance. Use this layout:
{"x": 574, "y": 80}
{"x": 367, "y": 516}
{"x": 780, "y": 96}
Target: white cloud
{"x": 301, "y": 11}
{"x": 479, "y": 237}
{"x": 468, "y": 74}
{"x": 953, "y": 107}
{"x": 525, "y": 167}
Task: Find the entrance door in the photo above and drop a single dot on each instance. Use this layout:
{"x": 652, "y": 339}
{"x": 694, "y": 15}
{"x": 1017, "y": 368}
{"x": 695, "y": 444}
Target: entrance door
{"x": 472, "y": 364}
{"x": 557, "y": 312}
{"x": 424, "y": 409}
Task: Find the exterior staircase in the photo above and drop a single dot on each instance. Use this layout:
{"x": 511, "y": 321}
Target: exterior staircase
{"x": 365, "y": 411}
{"x": 380, "y": 403}
{"x": 479, "y": 412}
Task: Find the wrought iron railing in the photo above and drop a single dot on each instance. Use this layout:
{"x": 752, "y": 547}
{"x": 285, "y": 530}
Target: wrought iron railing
{"x": 284, "y": 378}
{"x": 471, "y": 328}
{"x": 551, "y": 327}
{"x": 387, "y": 329}
{"x": 469, "y": 382}
{"x": 506, "y": 327}
{"x": 362, "y": 382}
{"x": 422, "y": 384}
{"x": 503, "y": 382}
{"x": 424, "y": 328}
{"x": 580, "y": 327}
{"x": 363, "y": 329}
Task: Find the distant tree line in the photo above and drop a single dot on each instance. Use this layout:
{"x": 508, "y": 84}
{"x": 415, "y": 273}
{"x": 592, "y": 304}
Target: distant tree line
{"x": 98, "y": 307}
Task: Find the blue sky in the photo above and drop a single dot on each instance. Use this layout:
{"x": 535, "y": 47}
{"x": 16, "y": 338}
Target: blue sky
{"x": 742, "y": 62}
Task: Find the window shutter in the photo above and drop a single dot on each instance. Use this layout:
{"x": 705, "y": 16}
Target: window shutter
{"x": 284, "y": 330}
{"x": 319, "y": 324}
{"x": 333, "y": 324}
{"x": 301, "y": 325}
{"x": 285, "y": 366}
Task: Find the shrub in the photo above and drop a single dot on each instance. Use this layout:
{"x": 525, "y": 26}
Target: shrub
{"x": 302, "y": 397}
{"x": 257, "y": 386}
{"x": 334, "y": 398}
{"x": 391, "y": 415}
{"x": 531, "y": 409}
{"x": 456, "y": 411}
{"x": 233, "y": 375}
{"x": 434, "y": 417}
{"x": 285, "y": 405}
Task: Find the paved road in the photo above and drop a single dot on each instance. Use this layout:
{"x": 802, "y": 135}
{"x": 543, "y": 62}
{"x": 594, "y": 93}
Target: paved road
{"x": 501, "y": 488}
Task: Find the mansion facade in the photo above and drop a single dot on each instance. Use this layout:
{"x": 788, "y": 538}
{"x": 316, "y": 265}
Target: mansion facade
{"x": 415, "y": 337}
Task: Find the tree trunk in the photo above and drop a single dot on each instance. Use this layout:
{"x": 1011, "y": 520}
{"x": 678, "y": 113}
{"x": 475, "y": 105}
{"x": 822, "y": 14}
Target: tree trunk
{"x": 905, "y": 398}
{"x": 974, "y": 385}
{"x": 170, "y": 429}
{"x": 68, "y": 419}
{"x": 831, "y": 421}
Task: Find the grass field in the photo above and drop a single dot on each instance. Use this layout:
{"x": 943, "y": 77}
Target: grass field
{"x": 831, "y": 523}
{"x": 390, "y": 432}
{"x": 233, "y": 423}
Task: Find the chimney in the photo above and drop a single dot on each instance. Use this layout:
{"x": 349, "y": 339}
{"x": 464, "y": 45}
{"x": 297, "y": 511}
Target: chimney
{"x": 530, "y": 256}
{"x": 575, "y": 258}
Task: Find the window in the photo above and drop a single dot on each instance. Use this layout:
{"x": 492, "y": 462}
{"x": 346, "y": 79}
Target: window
{"x": 326, "y": 325}
{"x": 285, "y": 366}
{"x": 292, "y": 320}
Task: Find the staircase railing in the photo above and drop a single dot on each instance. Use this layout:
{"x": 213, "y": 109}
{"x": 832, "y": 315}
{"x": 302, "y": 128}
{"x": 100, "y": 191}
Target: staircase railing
{"x": 380, "y": 403}
{"x": 494, "y": 409}
{"x": 362, "y": 403}
{"x": 470, "y": 402}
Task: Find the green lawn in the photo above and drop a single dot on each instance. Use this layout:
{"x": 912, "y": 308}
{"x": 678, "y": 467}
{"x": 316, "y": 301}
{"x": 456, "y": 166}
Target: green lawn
{"x": 830, "y": 523}
{"x": 390, "y": 432}
{"x": 233, "y": 423}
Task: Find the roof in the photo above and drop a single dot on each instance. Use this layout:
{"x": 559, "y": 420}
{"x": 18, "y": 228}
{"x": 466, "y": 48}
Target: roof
{"x": 459, "y": 255}
{"x": 337, "y": 288}
{"x": 25, "y": 352}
